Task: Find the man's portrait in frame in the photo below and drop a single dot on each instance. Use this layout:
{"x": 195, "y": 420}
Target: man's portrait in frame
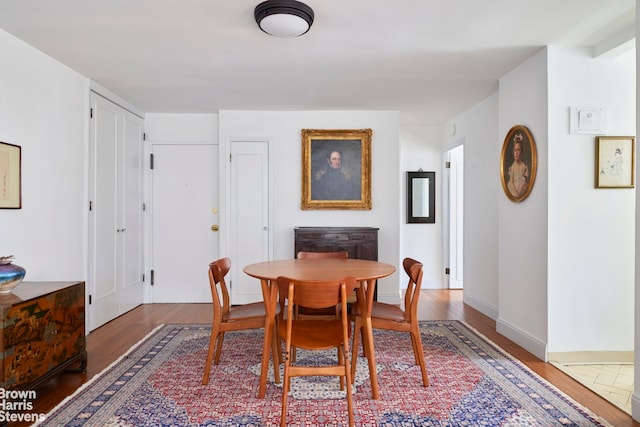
{"x": 336, "y": 169}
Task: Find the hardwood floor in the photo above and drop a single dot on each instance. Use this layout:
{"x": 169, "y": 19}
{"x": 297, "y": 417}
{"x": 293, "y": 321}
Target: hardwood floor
{"x": 107, "y": 343}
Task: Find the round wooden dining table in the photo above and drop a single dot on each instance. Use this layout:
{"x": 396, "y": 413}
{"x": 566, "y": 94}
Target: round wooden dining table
{"x": 366, "y": 272}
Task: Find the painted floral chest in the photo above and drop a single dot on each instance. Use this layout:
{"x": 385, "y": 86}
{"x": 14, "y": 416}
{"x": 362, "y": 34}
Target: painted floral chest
{"x": 42, "y": 332}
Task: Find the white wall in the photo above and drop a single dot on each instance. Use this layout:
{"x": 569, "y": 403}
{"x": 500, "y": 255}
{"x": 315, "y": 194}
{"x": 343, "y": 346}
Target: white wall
{"x": 522, "y": 227}
{"x": 282, "y": 129}
{"x": 591, "y": 231}
{"x": 421, "y": 147}
{"x": 477, "y": 130}
{"x": 44, "y": 108}
{"x": 635, "y": 398}
{"x": 181, "y": 128}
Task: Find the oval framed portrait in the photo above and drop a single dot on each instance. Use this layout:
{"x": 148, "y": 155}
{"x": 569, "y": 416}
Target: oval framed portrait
{"x": 518, "y": 163}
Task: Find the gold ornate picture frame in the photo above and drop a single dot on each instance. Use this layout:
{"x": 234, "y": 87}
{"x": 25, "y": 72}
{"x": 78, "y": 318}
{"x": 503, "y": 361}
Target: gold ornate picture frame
{"x": 615, "y": 162}
{"x": 10, "y": 176}
{"x": 518, "y": 163}
{"x": 336, "y": 169}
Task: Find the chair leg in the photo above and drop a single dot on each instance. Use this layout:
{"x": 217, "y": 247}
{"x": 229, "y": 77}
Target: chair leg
{"x": 276, "y": 354}
{"x": 357, "y": 329}
{"x": 342, "y": 362}
{"x": 414, "y": 346}
{"x": 215, "y": 332}
{"x": 348, "y": 380}
{"x": 419, "y": 355}
{"x": 285, "y": 393}
{"x": 207, "y": 365}
{"x": 219, "y": 347}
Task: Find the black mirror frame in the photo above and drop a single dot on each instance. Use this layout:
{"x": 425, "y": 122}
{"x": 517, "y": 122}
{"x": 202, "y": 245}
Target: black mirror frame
{"x": 431, "y": 219}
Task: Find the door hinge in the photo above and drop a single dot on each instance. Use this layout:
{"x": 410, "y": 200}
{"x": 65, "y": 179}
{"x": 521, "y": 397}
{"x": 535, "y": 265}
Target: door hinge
{"x": 229, "y": 156}
{"x": 144, "y": 207}
{"x": 447, "y": 271}
{"x": 447, "y": 165}
{"x": 143, "y": 277}
{"x": 144, "y": 136}
{"x": 90, "y": 205}
{"x": 91, "y": 113}
{"x": 152, "y": 278}
{"x": 90, "y": 299}
{"x": 151, "y": 161}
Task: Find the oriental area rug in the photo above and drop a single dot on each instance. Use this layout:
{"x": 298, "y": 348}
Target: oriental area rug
{"x": 473, "y": 383}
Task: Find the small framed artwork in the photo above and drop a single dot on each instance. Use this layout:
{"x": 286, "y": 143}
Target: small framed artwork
{"x": 10, "y": 176}
{"x": 336, "y": 169}
{"x": 615, "y": 161}
{"x": 421, "y": 197}
{"x": 518, "y": 163}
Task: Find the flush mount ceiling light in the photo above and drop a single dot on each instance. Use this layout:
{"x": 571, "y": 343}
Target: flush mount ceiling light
{"x": 284, "y": 18}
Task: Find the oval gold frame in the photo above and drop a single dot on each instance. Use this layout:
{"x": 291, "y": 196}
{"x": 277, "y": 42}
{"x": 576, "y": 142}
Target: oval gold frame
{"x": 529, "y": 157}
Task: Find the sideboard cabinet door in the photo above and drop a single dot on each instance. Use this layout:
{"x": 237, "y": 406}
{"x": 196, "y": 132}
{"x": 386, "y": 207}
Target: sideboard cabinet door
{"x": 360, "y": 242}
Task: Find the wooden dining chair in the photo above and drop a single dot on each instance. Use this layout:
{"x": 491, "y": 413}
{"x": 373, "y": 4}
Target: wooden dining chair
{"x": 227, "y": 318}
{"x": 394, "y": 318}
{"x": 323, "y": 255}
{"x": 315, "y": 334}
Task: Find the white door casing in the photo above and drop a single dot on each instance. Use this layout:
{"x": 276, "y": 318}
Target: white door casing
{"x": 250, "y": 234}
{"x": 455, "y": 218}
{"x": 184, "y": 211}
{"x": 115, "y": 261}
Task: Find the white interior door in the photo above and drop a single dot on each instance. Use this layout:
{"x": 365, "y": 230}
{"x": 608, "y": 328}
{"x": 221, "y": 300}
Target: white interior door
{"x": 456, "y": 198}
{"x": 115, "y": 217}
{"x": 132, "y": 257}
{"x": 103, "y": 221}
{"x": 250, "y": 235}
{"x": 185, "y": 211}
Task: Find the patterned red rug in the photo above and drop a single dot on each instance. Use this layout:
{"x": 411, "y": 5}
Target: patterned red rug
{"x": 158, "y": 383}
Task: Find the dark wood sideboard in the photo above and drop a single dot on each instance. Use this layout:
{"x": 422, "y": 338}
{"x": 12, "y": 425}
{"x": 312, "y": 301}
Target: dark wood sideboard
{"x": 359, "y": 242}
{"x": 43, "y": 332}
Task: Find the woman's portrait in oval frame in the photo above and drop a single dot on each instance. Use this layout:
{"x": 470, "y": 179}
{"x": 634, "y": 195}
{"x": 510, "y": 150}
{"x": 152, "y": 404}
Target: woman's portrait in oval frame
{"x": 518, "y": 163}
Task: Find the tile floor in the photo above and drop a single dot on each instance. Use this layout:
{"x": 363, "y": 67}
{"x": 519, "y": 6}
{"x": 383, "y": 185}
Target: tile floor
{"x": 612, "y": 381}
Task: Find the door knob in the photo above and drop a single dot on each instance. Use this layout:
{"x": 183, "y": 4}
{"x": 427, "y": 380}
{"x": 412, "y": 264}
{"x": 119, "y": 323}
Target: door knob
{"x": 214, "y": 227}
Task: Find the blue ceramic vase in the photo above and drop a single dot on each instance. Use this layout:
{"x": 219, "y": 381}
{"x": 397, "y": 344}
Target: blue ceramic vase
{"x": 10, "y": 274}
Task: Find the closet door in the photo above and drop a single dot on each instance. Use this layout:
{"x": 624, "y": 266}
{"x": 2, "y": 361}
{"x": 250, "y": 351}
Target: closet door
{"x": 115, "y": 211}
{"x": 250, "y": 235}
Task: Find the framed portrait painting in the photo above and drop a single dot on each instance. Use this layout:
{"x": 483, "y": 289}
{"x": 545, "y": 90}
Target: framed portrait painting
{"x": 518, "y": 163}
{"x": 10, "y": 176}
{"x": 336, "y": 169}
{"x": 615, "y": 161}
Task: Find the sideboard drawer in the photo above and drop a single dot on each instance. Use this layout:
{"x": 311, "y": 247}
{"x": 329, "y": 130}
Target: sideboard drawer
{"x": 336, "y": 236}
{"x": 364, "y": 237}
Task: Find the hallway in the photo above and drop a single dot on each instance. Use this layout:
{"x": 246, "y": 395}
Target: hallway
{"x": 612, "y": 381}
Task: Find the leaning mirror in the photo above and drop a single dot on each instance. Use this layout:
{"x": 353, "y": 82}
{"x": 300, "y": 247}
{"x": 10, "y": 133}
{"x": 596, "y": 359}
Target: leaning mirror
{"x": 421, "y": 197}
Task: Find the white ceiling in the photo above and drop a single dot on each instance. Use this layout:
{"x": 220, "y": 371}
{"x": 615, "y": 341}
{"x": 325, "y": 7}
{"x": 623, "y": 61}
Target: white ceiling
{"x": 428, "y": 59}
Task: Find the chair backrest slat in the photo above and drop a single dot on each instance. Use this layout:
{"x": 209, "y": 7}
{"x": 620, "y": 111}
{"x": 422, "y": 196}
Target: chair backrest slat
{"x": 323, "y": 255}
{"x": 218, "y": 269}
{"x": 316, "y": 294}
{"x": 414, "y": 270}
